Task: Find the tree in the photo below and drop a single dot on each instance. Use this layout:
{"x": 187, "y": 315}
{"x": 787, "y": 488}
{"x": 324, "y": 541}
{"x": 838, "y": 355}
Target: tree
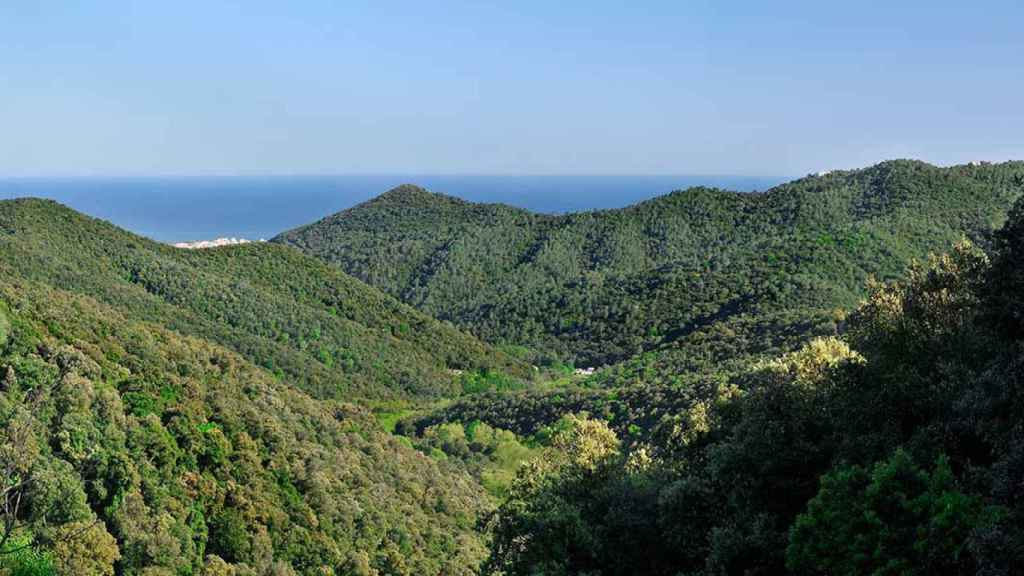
{"x": 545, "y": 526}
{"x": 18, "y": 454}
{"x": 1006, "y": 277}
{"x": 85, "y": 548}
{"x": 894, "y": 518}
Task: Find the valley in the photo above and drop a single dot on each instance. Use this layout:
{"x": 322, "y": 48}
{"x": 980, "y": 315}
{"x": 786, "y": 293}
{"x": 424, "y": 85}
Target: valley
{"x": 708, "y": 382}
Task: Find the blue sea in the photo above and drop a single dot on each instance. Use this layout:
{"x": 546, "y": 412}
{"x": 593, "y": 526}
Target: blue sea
{"x": 198, "y": 208}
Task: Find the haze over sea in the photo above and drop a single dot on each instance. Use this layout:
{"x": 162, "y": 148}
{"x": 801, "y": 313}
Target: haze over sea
{"x": 181, "y": 209}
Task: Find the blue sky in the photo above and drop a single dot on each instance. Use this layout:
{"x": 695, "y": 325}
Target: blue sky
{"x": 751, "y": 88}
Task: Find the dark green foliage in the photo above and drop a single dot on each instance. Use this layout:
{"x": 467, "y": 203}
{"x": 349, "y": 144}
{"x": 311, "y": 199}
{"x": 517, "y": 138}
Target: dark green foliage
{"x": 197, "y": 412}
{"x": 899, "y": 453}
{"x": 165, "y": 411}
{"x": 1007, "y": 276}
{"x": 527, "y": 412}
{"x": 704, "y": 279}
{"x": 893, "y": 519}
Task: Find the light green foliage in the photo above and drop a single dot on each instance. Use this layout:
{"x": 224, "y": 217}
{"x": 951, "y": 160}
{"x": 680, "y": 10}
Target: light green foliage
{"x": 491, "y": 455}
{"x": 5, "y": 327}
{"x": 488, "y": 381}
{"x": 812, "y": 363}
{"x": 24, "y": 559}
{"x": 388, "y": 419}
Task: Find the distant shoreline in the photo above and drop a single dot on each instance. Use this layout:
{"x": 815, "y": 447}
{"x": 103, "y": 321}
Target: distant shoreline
{"x": 191, "y": 209}
{"x": 217, "y": 242}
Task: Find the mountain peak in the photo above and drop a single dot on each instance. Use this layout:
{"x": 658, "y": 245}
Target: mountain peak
{"x": 415, "y": 196}
{"x": 405, "y": 190}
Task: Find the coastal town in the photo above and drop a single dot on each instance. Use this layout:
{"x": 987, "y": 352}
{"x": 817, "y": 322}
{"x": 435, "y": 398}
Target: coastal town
{"x": 213, "y": 243}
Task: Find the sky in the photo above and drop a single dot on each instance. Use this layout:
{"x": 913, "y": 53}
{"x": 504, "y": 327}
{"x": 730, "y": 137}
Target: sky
{"x": 203, "y": 87}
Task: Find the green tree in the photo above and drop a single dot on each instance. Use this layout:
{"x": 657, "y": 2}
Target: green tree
{"x": 894, "y": 518}
{"x": 85, "y": 548}
{"x": 544, "y": 527}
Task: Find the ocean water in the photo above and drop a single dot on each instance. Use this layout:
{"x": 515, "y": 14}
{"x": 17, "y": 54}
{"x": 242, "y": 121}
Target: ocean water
{"x": 198, "y": 208}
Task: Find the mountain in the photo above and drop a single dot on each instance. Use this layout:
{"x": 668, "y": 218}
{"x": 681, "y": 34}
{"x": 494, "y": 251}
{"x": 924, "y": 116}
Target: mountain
{"x": 681, "y": 283}
{"x": 173, "y": 411}
{"x": 322, "y": 330}
{"x": 897, "y": 447}
{"x": 209, "y": 412}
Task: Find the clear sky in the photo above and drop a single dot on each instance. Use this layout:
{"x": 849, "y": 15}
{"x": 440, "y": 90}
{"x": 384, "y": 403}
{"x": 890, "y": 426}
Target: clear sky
{"x": 95, "y": 87}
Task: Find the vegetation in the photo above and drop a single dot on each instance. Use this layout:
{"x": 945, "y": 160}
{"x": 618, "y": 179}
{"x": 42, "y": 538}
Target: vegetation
{"x": 308, "y": 323}
{"x": 165, "y": 411}
{"x": 491, "y": 455}
{"x": 696, "y": 281}
{"x": 783, "y": 393}
{"x": 895, "y": 449}
{"x": 134, "y": 449}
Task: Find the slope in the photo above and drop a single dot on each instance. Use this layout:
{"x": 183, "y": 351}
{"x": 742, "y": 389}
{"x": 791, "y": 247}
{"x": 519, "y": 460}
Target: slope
{"x": 302, "y": 320}
{"x": 131, "y": 447}
{"x": 693, "y": 278}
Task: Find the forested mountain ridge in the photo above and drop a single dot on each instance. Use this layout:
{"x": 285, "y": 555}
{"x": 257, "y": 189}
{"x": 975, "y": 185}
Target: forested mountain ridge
{"x": 330, "y": 334}
{"x": 699, "y": 276}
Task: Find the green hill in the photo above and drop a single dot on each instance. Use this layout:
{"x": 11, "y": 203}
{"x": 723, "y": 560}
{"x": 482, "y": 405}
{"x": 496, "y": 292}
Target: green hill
{"x": 896, "y": 448}
{"x": 323, "y": 330}
{"x": 177, "y": 412}
{"x": 167, "y": 411}
{"x": 699, "y": 277}
{"x": 122, "y": 438}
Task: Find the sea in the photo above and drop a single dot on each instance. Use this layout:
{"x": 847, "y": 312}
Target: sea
{"x": 181, "y": 209}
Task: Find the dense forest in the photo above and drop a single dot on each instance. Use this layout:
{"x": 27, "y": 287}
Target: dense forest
{"x": 825, "y": 378}
{"x": 328, "y": 333}
{"x": 130, "y": 448}
{"x": 897, "y": 448}
{"x": 698, "y": 278}
{"x": 167, "y": 411}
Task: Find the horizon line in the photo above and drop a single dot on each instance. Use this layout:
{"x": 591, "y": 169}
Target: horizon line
{"x": 496, "y": 174}
{"x": 184, "y": 176}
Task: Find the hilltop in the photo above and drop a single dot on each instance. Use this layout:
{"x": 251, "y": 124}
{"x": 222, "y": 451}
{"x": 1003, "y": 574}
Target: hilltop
{"x": 692, "y": 279}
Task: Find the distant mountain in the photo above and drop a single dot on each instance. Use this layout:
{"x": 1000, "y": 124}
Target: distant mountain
{"x": 321, "y": 329}
{"x": 695, "y": 278}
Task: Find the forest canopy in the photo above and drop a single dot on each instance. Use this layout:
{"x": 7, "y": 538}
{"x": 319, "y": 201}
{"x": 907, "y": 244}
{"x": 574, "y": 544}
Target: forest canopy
{"x": 825, "y": 378}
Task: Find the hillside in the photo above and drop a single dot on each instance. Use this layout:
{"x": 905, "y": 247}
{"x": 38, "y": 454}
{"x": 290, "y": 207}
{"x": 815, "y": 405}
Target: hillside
{"x": 897, "y": 448}
{"x": 208, "y": 412}
{"x": 694, "y": 279}
{"x": 322, "y": 330}
{"x": 125, "y": 445}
